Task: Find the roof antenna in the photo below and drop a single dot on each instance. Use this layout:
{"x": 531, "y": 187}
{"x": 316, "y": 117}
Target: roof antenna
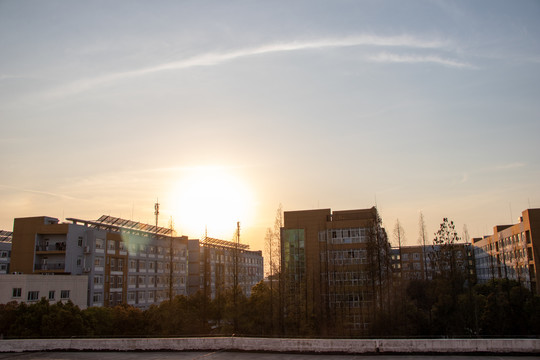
{"x": 156, "y": 212}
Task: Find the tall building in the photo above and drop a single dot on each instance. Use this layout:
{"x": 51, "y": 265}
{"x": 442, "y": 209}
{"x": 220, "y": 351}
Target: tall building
{"x": 512, "y": 252}
{"x": 5, "y": 251}
{"x": 334, "y": 266}
{"x": 125, "y": 261}
{"x": 216, "y": 265}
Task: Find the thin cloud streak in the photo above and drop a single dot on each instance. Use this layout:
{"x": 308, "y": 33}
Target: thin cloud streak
{"x": 212, "y": 59}
{"x": 412, "y": 59}
{"x": 38, "y": 192}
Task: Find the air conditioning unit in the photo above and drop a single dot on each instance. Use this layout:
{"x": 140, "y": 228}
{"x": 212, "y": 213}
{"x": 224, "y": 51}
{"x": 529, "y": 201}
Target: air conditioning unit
{"x": 87, "y": 269}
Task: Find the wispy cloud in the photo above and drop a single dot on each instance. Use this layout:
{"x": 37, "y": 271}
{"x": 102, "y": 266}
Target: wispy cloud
{"x": 509, "y": 166}
{"x": 38, "y": 192}
{"x": 216, "y": 58}
{"x": 412, "y": 59}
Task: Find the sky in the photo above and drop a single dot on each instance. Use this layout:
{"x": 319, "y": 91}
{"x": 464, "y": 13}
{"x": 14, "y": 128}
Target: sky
{"x": 223, "y": 110}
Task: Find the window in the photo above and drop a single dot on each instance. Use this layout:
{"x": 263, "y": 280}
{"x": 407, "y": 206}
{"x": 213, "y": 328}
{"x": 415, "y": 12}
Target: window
{"x": 97, "y": 297}
{"x": 98, "y": 261}
{"x": 111, "y": 245}
{"x": 132, "y": 280}
{"x": 98, "y": 279}
{"x": 16, "y": 293}
{"x": 33, "y": 295}
{"x": 51, "y": 295}
{"x": 4, "y": 254}
{"x": 99, "y": 243}
{"x": 64, "y": 294}
{"x": 79, "y": 261}
{"x": 80, "y": 241}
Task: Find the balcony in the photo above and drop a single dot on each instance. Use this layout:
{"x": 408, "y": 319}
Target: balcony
{"x": 56, "y": 248}
{"x": 52, "y": 267}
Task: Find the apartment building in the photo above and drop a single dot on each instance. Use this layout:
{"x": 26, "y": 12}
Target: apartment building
{"x": 5, "y": 251}
{"x": 511, "y": 252}
{"x": 124, "y": 261}
{"x": 216, "y": 265}
{"x": 332, "y": 278}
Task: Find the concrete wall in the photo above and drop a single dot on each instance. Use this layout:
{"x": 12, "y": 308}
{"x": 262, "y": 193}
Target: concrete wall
{"x": 345, "y": 346}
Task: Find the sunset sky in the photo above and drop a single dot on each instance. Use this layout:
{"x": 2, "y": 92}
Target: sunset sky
{"x": 222, "y": 110}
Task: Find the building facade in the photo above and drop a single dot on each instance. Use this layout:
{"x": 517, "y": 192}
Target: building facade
{"x": 30, "y": 289}
{"x": 5, "y": 251}
{"x": 216, "y": 265}
{"x": 512, "y": 252}
{"x": 418, "y": 262}
{"x": 334, "y": 266}
{"x": 124, "y": 261}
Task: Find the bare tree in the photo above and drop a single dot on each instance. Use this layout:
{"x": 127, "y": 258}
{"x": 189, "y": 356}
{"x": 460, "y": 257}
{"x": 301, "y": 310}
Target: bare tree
{"x": 422, "y": 239}
{"x": 399, "y": 236}
{"x": 273, "y": 253}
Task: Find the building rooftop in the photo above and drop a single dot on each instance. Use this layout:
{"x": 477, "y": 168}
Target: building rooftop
{"x": 6, "y": 236}
{"x": 117, "y": 224}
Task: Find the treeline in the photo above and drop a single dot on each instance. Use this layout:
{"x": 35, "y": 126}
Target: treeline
{"x": 435, "y": 308}
{"x": 425, "y": 308}
{"x": 183, "y": 316}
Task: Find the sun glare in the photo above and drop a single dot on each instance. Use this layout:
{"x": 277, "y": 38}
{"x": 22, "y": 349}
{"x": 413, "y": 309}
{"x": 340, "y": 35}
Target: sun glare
{"x": 212, "y": 198}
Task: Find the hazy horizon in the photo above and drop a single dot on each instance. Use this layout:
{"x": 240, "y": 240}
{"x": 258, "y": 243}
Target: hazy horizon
{"x": 224, "y": 110}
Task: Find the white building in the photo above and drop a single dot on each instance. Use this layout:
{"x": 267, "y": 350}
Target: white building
{"x": 31, "y": 288}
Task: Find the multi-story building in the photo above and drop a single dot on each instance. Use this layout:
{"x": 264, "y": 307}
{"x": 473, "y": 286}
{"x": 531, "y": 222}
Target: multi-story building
{"x": 419, "y": 262}
{"x": 512, "y": 252}
{"x": 5, "y": 251}
{"x": 216, "y": 265}
{"x": 30, "y": 289}
{"x": 125, "y": 261}
{"x": 334, "y": 266}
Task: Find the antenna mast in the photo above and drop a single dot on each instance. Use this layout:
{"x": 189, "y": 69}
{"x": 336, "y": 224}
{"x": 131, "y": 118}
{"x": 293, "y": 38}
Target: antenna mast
{"x": 156, "y": 211}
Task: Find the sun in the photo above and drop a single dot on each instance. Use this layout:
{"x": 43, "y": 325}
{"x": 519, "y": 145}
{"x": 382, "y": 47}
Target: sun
{"x": 212, "y": 198}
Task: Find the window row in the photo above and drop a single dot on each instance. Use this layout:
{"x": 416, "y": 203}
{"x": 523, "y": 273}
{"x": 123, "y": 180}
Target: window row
{"x": 33, "y": 295}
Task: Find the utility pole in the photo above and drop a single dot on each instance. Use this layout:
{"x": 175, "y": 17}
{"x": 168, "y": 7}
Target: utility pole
{"x": 171, "y": 273}
{"x": 235, "y": 288}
